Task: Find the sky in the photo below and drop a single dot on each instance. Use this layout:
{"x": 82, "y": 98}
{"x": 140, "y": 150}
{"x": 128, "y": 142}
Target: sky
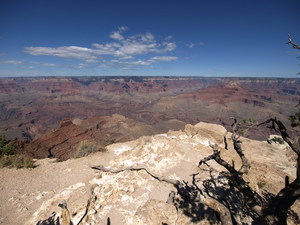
{"x": 216, "y": 38}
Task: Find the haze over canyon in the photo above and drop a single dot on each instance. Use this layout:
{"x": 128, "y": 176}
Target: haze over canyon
{"x": 30, "y": 107}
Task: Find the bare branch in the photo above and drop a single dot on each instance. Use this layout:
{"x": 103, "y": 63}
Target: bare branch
{"x": 277, "y": 125}
{"x": 163, "y": 179}
{"x": 276, "y": 210}
{"x": 238, "y": 148}
{"x": 292, "y": 43}
{"x": 216, "y": 156}
{"x": 225, "y": 142}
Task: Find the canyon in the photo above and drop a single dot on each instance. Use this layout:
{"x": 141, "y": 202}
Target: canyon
{"x": 105, "y": 109}
{"x": 148, "y": 132}
{"x": 30, "y": 107}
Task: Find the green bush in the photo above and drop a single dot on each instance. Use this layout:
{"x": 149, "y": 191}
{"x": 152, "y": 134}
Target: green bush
{"x": 278, "y": 140}
{"x": 261, "y": 184}
{"x": 295, "y": 119}
{"x": 3, "y": 141}
{"x": 110, "y": 141}
{"x": 6, "y": 148}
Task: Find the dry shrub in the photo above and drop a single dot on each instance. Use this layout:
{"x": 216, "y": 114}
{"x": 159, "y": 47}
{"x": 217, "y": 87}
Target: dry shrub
{"x": 87, "y": 147}
{"x": 16, "y": 161}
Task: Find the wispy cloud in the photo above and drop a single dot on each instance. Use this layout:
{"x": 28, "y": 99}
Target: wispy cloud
{"x": 123, "y": 48}
{"x": 201, "y": 43}
{"x": 48, "y": 64}
{"x": 28, "y": 67}
{"x": 117, "y": 35}
{"x": 67, "y": 52}
{"x": 14, "y": 62}
{"x": 164, "y": 58}
{"x": 191, "y": 45}
{"x": 140, "y": 62}
{"x": 43, "y": 64}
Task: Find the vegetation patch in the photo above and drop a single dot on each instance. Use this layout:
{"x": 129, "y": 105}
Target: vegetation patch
{"x": 87, "y": 147}
{"x": 9, "y": 159}
{"x": 110, "y": 141}
{"x": 16, "y": 161}
{"x": 261, "y": 184}
{"x": 278, "y": 140}
{"x": 295, "y": 119}
{"x": 6, "y": 148}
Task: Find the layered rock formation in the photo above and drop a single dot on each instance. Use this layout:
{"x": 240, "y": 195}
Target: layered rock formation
{"x": 76, "y": 138}
{"x": 137, "y": 186}
{"x": 30, "y": 107}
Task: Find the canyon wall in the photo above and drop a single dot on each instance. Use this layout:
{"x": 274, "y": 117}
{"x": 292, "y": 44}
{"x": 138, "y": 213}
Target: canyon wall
{"x": 30, "y": 107}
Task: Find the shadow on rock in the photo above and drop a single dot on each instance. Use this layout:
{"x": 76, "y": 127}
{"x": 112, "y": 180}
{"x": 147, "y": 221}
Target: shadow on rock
{"x": 188, "y": 201}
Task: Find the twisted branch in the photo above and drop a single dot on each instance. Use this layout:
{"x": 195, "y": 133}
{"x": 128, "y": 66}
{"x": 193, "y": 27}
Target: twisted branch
{"x": 132, "y": 168}
{"x": 216, "y": 156}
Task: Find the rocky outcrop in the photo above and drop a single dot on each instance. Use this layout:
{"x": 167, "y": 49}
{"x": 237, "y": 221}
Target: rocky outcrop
{"x": 76, "y": 138}
{"x": 122, "y": 193}
{"x": 65, "y": 122}
{"x": 61, "y": 143}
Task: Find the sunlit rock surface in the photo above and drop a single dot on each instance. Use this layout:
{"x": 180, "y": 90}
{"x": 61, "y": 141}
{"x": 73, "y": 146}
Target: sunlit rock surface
{"x": 135, "y": 197}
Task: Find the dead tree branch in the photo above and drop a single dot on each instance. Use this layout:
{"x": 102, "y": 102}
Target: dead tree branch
{"x": 252, "y": 201}
{"x": 237, "y": 144}
{"x": 292, "y": 43}
{"x": 216, "y": 156}
{"x": 278, "y": 126}
{"x": 162, "y": 179}
{"x": 278, "y": 207}
{"x": 236, "y": 177}
{"x": 190, "y": 194}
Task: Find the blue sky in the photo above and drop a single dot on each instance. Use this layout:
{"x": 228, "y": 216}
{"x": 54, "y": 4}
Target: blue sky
{"x": 190, "y": 38}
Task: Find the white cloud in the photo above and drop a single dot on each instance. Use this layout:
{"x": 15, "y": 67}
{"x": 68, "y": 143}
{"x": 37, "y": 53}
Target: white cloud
{"x": 168, "y": 38}
{"x": 123, "y": 28}
{"x": 117, "y": 35}
{"x": 43, "y": 64}
{"x": 191, "y": 45}
{"x": 164, "y": 58}
{"x": 201, "y": 43}
{"x": 169, "y": 46}
{"x": 14, "y": 62}
{"x": 27, "y": 67}
{"x": 140, "y": 63}
{"x": 146, "y": 62}
{"x": 67, "y": 52}
{"x": 82, "y": 65}
{"x": 48, "y": 64}
{"x": 123, "y": 48}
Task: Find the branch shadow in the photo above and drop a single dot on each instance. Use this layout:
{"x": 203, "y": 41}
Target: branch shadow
{"x": 52, "y": 220}
{"x": 188, "y": 201}
{"x": 235, "y": 194}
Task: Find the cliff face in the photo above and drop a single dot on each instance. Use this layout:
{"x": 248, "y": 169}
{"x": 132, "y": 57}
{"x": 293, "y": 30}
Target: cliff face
{"x": 30, "y": 107}
{"x": 138, "y": 187}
